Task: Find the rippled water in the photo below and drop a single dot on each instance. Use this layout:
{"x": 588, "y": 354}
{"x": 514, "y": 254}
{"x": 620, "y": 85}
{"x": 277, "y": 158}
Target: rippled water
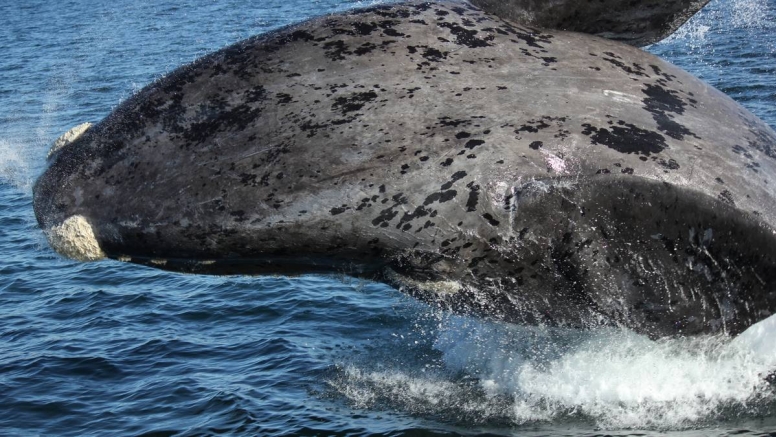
{"x": 115, "y": 349}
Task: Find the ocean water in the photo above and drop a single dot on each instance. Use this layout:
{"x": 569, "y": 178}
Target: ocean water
{"x": 115, "y": 349}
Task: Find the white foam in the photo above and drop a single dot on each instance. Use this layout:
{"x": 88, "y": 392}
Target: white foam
{"x": 614, "y": 378}
{"x": 366, "y": 387}
{"x": 620, "y": 379}
{"x": 760, "y": 340}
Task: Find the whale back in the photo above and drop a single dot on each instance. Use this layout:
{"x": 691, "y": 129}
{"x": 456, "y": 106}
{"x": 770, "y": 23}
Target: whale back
{"x": 638, "y": 23}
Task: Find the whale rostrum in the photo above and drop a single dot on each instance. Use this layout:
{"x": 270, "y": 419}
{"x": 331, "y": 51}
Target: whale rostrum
{"x": 473, "y": 159}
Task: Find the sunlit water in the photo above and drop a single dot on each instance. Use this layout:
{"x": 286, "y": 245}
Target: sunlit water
{"x": 114, "y": 349}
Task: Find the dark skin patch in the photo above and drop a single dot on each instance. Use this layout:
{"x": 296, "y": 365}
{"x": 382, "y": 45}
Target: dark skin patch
{"x": 761, "y": 140}
{"x": 388, "y": 214}
{"x": 364, "y": 28}
{"x": 419, "y": 212}
{"x": 239, "y": 216}
{"x": 754, "y": 166}
{"x": 661, "y": 103}
{"x": 670, "y": 164}
{"x": 536, "y": 145}
{"x": 627, "y": 138}
{"x": 365, "y": 48}
{"x": 546, "y": 60}
{"x": 385, "y": 217}
{"x": 727, "y": 197}
{"x": 666, "y": 77}
{"x": 635, "y": 69}
{"x": 663, "y": 100}
{"x": 284, "y": 98}
{"x": 336, "y": 50}
{"x": 353, "y": 102}
{"x": 467, "y": 37}
{"x": 738, "y": 150}
{"x": 471, "y": 144}
{"x": 448, "y": 122}
{"x": 301, "y": 35}
{"x": 533, "y": 129}
{"x": 459, "y": 10}
{"x": 531, "y": 39}
{"x": 255, "y": 94}
{"x": 249, "y": 179}
{"x": 312, "y": 128}
{"x": 393, "y": 33}
{"x": 457, "y": 176}
{"x": 441, "y": 197}
{"x": 237, "y": 118}
{"x": 430, "y": 54}
{"x": 492, "y": 221}
{"x": 474, "y": 197}
{"x": 339, "y": 210}
{"x": 534, "y": 126}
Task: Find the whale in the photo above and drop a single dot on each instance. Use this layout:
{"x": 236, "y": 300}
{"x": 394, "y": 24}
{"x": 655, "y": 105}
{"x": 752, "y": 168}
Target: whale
{"x": 512, "y": 160}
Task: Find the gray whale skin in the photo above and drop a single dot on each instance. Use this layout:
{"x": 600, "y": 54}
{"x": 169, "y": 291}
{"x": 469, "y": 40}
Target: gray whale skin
{"x": 490, "y": 158}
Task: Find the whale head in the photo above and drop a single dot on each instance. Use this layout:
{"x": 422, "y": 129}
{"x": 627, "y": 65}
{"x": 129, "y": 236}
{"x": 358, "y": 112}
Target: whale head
{"x": 534, "y": 176}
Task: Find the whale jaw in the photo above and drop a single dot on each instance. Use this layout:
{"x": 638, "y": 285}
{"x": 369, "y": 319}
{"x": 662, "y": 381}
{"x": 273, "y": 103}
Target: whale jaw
{"x": 647, "y": 254}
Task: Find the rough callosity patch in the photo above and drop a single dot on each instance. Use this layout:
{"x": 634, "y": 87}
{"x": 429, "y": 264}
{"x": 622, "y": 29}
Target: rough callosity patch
{"x": 68, "y": 137}
{"x": 437, "y": 288}
{"x": 75, "y": 239}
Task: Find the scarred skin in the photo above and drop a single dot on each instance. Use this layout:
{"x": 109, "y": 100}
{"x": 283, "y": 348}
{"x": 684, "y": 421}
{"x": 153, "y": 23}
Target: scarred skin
{"x": 534, "y": 176}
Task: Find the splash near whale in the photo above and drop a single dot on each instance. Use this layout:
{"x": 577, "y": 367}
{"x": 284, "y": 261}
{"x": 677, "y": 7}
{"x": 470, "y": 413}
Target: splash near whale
{"x": 487, "y": 157}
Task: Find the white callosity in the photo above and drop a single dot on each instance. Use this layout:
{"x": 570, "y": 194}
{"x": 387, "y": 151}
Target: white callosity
{"x": 68, "y": 137}
{"x": 439, "y": 288}
{"x": 75, "y": 239}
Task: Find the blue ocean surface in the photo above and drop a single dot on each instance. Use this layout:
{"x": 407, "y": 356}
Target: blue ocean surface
{"x": 121, "y": 350}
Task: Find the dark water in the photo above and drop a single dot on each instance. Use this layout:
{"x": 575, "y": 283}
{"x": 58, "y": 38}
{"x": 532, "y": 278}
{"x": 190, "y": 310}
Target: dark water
{"x": 115, "y": 349}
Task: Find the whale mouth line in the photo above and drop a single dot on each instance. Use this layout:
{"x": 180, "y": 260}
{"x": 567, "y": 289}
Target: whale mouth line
{"x": 285, "y": 265}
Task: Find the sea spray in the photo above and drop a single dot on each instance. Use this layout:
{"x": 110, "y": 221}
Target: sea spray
{"x": 612, "y": 378}
{"x": 15, "y": 166}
